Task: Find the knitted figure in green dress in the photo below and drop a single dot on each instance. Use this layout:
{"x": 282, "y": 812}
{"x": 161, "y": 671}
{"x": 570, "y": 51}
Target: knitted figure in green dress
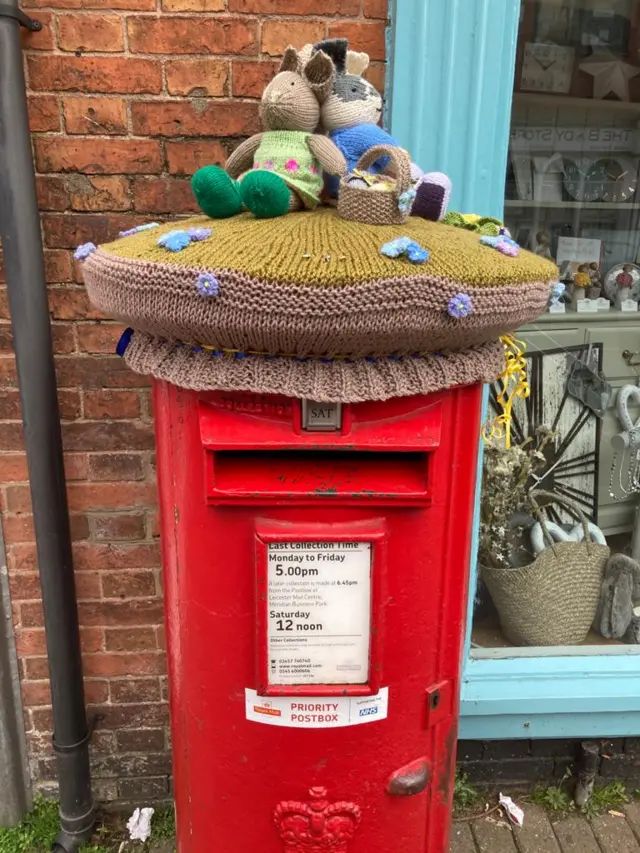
{"x": 280, "y": 169}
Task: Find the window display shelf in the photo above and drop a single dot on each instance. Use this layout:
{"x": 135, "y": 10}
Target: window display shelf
{"x": 543, "y": 99}
{"x": 576, "y": 205}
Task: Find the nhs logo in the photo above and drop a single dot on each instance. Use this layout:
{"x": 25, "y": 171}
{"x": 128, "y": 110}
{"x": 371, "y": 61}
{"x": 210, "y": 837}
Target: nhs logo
{"x": 367, "y": 712}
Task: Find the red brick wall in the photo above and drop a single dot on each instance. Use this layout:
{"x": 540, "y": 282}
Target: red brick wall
{"x": 127, "y": 98}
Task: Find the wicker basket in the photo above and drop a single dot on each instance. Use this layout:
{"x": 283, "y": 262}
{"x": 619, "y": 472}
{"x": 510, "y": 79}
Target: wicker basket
{"x": 552, "y": 601}
{"x": 377, "y": 207}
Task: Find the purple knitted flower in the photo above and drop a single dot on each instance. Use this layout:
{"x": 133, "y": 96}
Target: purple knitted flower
{"x": 83, "y": 251}
{"x": 502, "y": 243}
{"x": 198, "y": 234}
{"x": 174, "y": 241}
{"x": 507, "y": 247}
{"x": 207, "y": 284}
{"x": 459, "y": 306}
{"x": 139, "y": 228}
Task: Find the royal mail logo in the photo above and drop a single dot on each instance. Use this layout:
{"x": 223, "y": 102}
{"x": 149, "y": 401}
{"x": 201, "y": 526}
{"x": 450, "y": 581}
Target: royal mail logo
{"x": 367, "y": 712}
{"x": 255, "y": 404}
{"x": 267, "y": 709}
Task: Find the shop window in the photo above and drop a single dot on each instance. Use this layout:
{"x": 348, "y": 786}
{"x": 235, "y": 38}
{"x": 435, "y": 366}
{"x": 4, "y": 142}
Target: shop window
{"x": 573, "y": 196}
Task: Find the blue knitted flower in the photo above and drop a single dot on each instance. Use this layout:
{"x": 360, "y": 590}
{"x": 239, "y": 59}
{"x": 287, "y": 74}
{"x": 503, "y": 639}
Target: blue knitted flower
{"x": 395, "y": 248}
{"x": 460, "y": 306}
{"x": 198, "y": 234}
{"x": 207, "y": 284}
{"x": 174, "y": 241}
{"x": 83, "y": 251}
{"x": 139, "y": 228}
{"x": 416, "y": 254}
{"x": 406, "y": 200}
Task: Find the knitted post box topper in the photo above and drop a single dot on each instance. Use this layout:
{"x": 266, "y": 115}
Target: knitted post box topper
{"x": 287, "y": 158}
{"x": 350, "y": 116}
{"x": 308, "y": 305}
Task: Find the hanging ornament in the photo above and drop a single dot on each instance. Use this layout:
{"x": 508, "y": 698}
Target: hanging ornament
{"x": 626, "y": 448}
{"x": 514, "y": 385}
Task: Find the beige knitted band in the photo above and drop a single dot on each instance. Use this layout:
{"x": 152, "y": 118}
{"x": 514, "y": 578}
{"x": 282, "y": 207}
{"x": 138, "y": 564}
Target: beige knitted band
{"x": 387, "y": 316}
{"x": 340, "y": 380}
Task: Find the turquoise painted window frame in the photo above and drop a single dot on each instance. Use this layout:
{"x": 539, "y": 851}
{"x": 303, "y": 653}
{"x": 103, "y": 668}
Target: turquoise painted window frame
{"x": 449, "y": 96}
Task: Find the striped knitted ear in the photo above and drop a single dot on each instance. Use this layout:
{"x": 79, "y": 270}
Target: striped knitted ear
{"x": 304, "y": 55}
{"x": 336, "y": 49}
{"x": 357, "y": 63}
{"x": 320, "y": 72}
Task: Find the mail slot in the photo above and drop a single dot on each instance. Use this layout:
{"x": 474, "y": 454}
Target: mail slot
{"x": 315, "y": 581}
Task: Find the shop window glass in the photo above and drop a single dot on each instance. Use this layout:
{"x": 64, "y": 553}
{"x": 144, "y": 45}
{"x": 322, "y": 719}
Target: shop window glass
{"x": 573, "y": 196}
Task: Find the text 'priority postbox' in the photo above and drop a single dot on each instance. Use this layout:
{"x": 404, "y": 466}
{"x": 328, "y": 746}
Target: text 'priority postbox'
{"x": 315, "y": 566}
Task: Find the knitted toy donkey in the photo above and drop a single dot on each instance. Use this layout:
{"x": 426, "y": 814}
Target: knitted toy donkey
{"x": 616, "y": 617}
{"x": 350, "y": 116}
{"x": 287, "y": 158}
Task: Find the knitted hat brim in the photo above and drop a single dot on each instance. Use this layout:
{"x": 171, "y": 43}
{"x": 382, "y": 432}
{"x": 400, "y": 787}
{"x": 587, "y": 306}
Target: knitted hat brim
{"x": 323, "y": 380}
{"x": 407, "y": 314}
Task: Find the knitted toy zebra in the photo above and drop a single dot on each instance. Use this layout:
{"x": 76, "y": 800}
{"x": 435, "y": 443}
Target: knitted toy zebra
{"x": 350, "y": 115}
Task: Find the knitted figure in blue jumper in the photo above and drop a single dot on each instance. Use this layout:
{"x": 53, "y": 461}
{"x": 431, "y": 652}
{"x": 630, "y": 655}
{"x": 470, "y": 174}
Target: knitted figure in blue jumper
{"x": 350, "y": 116}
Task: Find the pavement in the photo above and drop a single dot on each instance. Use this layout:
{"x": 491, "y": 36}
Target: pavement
{"x": 541, "y": 833}
{"x": 545, "y": 833}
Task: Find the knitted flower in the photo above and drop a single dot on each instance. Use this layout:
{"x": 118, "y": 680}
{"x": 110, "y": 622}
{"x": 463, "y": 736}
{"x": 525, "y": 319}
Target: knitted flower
{"x": 83, "y": 251}
{"x": 459, "y": 306}
{"x": 416, "y": 254}
{"x": 256, "y": 165}
{"x": 502, "y": 243}
{"x": 507, "y": 247}
{"x": 138, "y": 228}
{"x": 313, "y": 168}
{"x": 292, "y": 165}
{"x": 269, "y": 165}
{"x": 406, "y": 200}
{"x": 198, "y": 234}
{"x": 174, "y": 241}
{"x": 207, "y": 284}
{"x": 395, "y": 248}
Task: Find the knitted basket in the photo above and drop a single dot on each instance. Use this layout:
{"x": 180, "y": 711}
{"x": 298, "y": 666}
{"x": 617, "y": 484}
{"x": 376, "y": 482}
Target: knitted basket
{"x": 377, "y": 207}
{"x": 307, "y": 302}
{"x": 552, "y": 601}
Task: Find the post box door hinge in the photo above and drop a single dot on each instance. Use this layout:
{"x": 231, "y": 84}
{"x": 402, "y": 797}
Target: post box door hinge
{"x": 439, "y": 702}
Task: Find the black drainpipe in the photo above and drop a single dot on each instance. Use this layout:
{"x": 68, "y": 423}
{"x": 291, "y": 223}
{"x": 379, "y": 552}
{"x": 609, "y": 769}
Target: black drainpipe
{"x": 24, "y": 266}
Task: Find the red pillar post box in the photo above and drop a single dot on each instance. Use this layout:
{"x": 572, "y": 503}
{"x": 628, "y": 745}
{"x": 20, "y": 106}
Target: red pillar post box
{"x": 315, "y": 561}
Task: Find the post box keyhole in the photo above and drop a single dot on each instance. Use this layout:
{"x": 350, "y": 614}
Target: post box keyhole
{"x": 435, "y": 700}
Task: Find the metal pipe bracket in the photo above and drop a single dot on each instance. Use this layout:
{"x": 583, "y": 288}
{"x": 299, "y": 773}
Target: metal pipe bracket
{"x": 24, "y": 20}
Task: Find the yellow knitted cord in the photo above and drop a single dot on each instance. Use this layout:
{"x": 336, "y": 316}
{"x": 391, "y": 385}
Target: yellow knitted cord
{"x": 514, "y": 386}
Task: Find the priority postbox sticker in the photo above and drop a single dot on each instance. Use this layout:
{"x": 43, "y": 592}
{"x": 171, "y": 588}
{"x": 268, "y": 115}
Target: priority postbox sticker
{"x": 321, "y": 712}
{"x": 318, "y": 612}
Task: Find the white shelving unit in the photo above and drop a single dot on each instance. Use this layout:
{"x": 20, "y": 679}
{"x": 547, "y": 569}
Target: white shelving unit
{"x": 575, "y": 205}
{"x": 616, "y": 224}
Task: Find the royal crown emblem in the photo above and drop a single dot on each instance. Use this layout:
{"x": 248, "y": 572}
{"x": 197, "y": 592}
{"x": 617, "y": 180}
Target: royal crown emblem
{"x": 317, "y": 826}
